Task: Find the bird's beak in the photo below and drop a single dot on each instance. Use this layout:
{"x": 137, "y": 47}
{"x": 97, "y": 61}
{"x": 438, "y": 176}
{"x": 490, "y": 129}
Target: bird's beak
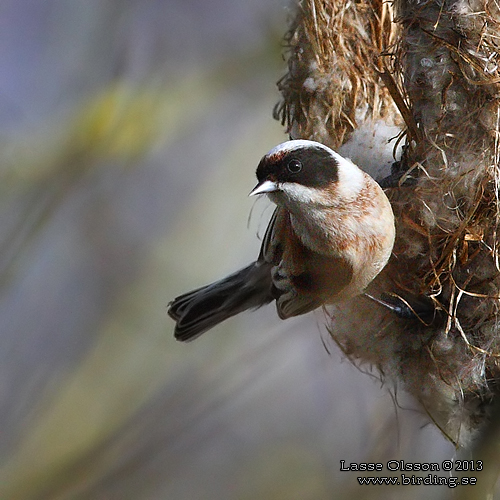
{"x": 264, "y": 187}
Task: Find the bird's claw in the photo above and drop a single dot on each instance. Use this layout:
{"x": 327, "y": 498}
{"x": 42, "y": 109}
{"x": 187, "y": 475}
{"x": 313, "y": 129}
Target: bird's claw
{"x": 420, "y": 308}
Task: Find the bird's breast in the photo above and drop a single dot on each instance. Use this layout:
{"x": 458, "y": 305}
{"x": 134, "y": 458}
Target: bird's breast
{"x": 320, "y": 231}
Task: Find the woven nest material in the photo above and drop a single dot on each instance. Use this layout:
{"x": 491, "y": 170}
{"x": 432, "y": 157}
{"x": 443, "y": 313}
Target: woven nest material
{"x": 436, "y": 63}
{"x": 332, "y": 82}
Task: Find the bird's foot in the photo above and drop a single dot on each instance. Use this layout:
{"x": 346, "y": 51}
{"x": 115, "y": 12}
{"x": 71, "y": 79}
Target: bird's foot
{"x": 419, "y": 308}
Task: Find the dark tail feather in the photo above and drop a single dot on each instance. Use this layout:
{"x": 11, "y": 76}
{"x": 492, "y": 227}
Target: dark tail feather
{"x": 199, "y": 310}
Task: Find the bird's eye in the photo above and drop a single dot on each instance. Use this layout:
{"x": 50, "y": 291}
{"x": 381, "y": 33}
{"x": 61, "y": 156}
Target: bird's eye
{"x": 294, "y": 166}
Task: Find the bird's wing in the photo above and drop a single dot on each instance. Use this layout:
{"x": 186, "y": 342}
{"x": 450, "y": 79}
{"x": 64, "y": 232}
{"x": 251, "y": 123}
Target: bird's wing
{"x": 306, "y": 289}
{"x": 302, "y": 279}
{"x": 271, "y": 249}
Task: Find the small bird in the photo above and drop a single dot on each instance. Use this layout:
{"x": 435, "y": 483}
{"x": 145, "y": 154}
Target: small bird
{"x": 331, "y": 233}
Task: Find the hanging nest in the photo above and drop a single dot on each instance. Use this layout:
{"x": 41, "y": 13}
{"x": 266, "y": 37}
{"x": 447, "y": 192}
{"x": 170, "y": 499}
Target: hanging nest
{"x": 332, "y": 82}
{"x": 436, "y": 63}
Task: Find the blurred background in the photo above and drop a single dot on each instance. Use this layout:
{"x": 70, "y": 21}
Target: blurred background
{"x": 130, "y": 133}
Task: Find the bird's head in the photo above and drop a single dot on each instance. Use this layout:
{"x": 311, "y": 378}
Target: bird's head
{"x": 307, "y": 172}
